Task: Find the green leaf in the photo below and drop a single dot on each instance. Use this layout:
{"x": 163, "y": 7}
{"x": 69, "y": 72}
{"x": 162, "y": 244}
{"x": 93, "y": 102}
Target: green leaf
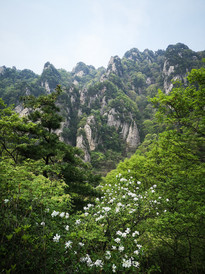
{"x": 9, "y": 237}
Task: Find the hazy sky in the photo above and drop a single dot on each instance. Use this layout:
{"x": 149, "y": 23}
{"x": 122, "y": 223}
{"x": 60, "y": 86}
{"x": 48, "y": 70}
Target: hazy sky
{"x": 65, "y": 32}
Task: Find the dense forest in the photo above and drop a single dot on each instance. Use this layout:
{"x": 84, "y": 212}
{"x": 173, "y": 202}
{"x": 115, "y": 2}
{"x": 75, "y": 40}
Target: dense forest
{"x": 141, "y": 124}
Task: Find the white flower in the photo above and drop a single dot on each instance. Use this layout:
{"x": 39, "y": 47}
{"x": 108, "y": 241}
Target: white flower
{"x": 106, "y": 209}
{"x": 114, "y": 247}
{"x": 117, "y": 240}
{"x": 6, "y": 201}
{"x": 77, "y": 222}
{"x": 135, "y": 264}
{"x": 89, "y": 262}
{"x": 123, "y": 180}
{"x": 67, "y": 227}
{"x": 119, "y": 233}
{"x": 124, "y": 235}
{"x": 127, "y": 230}
{"x": 108, "y": 255}
{"x": 117, "y": 209}
{"x": 136, "y": 233}
{"x": 86, "y": 258}
{"x": 68, "y": 244}
{"x": 43, "y": 223}
{"x": 81, "y": 244}
{"x": 126, "y": 263}
{"x": 55, "y": 213}
{"x": 138, "y": 182}
{"x": 62, "y": 214}
{"x": 99, "y": 263}
{"x": 136, "y": 252}
{"x": 89, "y": 205}
{"x": 86, "y": 214}
{"x": 99, "y": 218}
{"x": 67, "y": 215}
{"x": 114, "y": 268}
{"x": 167, "y": 200}
{"x": 56, "y": 238}
{"x": 121, "y": 248}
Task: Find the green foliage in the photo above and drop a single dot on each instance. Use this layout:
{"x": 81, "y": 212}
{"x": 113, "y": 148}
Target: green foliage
{"x": 14, "y": 133}
{"x": 37, "y": 140}
{"x": 51, "y": 75}
{"x": 124, "y": 87}
{"x": 183, "y": 109}
{"x": 15, "y": 83}
{"x": 85, "y": 76}
{"x": 138, "y": 79}
{"x": 110, "y": 138}
{"x": 124, "y": 106}
{"x": 182, "y": 58}
{"x": 25, "y": 196}
{"x": 150, "y": 216}
{"x": 174, "y": 164}
{"x": 65, "y": 77}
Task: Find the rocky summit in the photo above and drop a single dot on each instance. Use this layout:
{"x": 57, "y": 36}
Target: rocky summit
{"x": 106, "y": 111}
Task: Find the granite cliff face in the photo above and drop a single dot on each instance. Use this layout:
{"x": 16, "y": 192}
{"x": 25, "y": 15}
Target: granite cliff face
{"x": 100, "y": 121}
{"x": 105, "y": 110}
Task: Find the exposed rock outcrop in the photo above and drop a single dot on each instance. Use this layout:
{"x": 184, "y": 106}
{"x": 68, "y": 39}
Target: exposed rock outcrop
{"x": 104, "y": 108}
{"x": 115, "y": 66}
{"x": 80, "y": 143}
{"x": 87, "y": 142}
{"x": 133, "y": 138}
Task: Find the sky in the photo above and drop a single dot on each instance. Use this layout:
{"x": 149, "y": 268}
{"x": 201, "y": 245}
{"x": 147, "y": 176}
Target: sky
{"x": 65, "y": 32}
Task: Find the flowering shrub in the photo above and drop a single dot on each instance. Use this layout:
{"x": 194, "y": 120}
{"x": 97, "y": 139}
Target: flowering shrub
{"x": 106, "y": 235}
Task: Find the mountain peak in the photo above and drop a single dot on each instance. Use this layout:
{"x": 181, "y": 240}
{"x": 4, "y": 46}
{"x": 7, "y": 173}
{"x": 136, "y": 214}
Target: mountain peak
{"x": 115, "y": 66}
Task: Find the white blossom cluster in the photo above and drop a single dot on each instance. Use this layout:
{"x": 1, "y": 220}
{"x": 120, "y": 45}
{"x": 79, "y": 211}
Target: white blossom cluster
{"x": 124, "y": 198}
{"x": 57, "y": 213}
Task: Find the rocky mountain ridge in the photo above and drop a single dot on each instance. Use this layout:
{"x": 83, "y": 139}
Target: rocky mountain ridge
{"x": 106, "y": 111}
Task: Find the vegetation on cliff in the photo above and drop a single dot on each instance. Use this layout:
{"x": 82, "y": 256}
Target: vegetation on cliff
{"x": 146, "y": 216}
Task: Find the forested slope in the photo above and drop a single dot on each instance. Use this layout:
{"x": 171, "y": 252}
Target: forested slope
{"x": 148, "y": 215}
{"x": 106, "y": 112}
{"x": 145, "y": 216}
